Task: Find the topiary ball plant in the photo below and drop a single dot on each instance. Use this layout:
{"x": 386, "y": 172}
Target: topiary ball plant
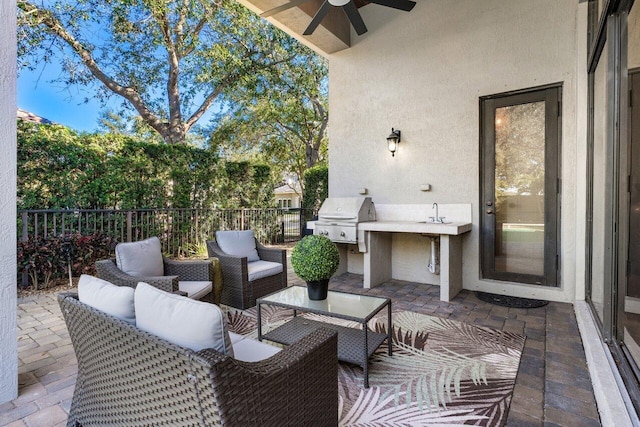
{"x": 315, "y": 258}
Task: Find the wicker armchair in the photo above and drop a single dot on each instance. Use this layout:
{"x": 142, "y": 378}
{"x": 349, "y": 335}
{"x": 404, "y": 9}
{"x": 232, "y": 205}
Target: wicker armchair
{"x": 129, "y": 377}
{"x": 188, "y": 270}
{"x": 185, "y": 277}
{"x": 237, "y": 290}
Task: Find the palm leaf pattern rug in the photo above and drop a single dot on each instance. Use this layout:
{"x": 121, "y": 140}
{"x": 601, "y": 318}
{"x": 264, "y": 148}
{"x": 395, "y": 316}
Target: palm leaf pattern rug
{"x": 442, "y": 372}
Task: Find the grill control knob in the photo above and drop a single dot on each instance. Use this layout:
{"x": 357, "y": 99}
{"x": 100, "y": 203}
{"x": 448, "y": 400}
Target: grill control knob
{"x": 342, "y": 234}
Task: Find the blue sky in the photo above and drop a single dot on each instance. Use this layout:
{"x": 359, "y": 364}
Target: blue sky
{"x": 65, "y": 105}
{"x": 52, "y": 101}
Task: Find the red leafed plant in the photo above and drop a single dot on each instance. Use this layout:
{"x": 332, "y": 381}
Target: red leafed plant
{"x": 44, "y": 259}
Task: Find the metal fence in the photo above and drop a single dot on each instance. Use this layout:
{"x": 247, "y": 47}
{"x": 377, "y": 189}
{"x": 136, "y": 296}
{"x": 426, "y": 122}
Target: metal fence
{"x": 180, "y": 230}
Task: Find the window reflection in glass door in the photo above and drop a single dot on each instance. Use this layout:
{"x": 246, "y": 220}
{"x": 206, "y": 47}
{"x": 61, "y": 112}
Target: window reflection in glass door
{"x": 631, "y": 321}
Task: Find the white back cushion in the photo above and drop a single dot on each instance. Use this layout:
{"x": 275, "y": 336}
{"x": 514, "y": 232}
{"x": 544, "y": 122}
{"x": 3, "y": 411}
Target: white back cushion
{"x": 238, "y": 243}
{"x": 180, "y": 320}
{"x": 117, "y": 301}
{"x": 143, "y": 258}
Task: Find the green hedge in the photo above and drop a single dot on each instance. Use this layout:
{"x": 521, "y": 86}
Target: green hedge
{"x": 59, "y": 168}
{"x": 316, "y": 189}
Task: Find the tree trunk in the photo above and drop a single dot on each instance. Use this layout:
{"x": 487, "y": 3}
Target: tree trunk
{"x": 312, "y": 155}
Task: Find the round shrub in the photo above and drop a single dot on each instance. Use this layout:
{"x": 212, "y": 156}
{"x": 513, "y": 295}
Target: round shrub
{"x": 314, "y": 258}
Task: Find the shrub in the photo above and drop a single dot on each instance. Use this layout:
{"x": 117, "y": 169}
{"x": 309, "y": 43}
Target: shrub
{"x": 86, "y": 250}
{"x": 314, "y": 258}
{"x": 41, "y": 259}
{"x": 45, "y": 259}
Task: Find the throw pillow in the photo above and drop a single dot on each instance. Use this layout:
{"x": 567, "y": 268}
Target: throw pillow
{"x": 140, "y": 259}
{"x": 114, "y": 300}
{"x": 188, "y": 323}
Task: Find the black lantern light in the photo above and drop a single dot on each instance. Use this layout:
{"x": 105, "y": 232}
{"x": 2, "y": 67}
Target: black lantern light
{"x": 393, "y": 140}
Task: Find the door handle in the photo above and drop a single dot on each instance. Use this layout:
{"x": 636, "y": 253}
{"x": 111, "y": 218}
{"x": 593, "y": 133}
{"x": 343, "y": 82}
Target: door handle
{"x": 489, "y": 212}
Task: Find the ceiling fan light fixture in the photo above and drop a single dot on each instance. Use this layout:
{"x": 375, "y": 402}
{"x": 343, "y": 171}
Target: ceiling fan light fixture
{"x": 338, "y": 3}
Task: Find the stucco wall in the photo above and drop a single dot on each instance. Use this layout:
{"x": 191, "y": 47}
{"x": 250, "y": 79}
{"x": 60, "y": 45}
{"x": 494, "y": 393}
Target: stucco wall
{"x": 423, "y": 72}
{"x": 633, "y": 59}
{"x": 8, "y": 342}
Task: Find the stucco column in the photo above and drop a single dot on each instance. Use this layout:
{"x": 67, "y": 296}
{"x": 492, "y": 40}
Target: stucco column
{"x": 8, "y": 107}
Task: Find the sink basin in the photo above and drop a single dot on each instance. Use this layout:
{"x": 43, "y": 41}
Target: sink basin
{"x": 433, "y": 222}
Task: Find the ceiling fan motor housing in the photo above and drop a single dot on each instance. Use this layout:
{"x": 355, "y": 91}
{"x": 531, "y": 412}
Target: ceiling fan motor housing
{"x": 349, "y": 7}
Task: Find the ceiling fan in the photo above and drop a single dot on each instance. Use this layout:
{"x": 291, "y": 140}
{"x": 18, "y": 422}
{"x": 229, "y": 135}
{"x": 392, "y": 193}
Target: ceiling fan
{"x": 349, "y": 8}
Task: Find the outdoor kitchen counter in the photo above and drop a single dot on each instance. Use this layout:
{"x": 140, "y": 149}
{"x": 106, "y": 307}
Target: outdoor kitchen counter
{"x": 374, "y": 239}
{"x": 450, "y": 228}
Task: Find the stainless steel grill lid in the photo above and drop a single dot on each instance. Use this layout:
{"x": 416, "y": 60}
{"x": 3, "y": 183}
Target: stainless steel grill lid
{"x": 338, "y": 217}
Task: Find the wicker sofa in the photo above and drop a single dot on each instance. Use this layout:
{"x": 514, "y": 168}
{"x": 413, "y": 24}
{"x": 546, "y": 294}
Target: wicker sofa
{"x": 238, "y": 289}
{"x": 129, "y": 377}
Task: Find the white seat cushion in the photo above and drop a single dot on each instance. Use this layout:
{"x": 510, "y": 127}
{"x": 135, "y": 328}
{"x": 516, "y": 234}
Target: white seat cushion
{"x": 139, "y": 259}
{"x": 188, "y": 323}
{"x": 235, "y": 337}
{"x": 115, "y": 300}
{"x": 238, "y": 243}
{"x": 259, "y": 269}
{"x": 194, "y": 289}
{"x": 249, "y": 350}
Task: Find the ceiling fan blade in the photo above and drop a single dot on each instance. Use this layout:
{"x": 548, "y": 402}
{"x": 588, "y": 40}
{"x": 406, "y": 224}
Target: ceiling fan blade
{"x": 405, "y": 5}
{"x": 281, "y": 8}
{"x": 354, "y": 16}
{"x": 317, "y": 18}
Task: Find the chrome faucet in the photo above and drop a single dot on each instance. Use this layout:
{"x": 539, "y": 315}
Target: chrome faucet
{"x": 436, "y": 218}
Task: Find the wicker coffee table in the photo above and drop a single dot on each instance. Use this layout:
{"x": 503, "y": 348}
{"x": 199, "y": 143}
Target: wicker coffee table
{"x": 355, "y": 345}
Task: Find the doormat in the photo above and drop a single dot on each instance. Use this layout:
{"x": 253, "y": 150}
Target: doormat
{"x": 442, "y": 372}
{"x": 512, "y": 302}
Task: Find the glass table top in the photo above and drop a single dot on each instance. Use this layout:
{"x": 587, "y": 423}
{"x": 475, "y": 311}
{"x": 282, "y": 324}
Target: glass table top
{"x": 337, "y": 304}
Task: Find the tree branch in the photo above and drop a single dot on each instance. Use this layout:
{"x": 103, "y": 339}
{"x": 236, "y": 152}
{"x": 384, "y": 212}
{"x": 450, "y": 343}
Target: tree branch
{"x": 182, "y": 18}
{"x": 196, "y": 33}
{"x": 292, "y": 130}
{"x": 206, "y": 104}
{"x": 50, "y": 21}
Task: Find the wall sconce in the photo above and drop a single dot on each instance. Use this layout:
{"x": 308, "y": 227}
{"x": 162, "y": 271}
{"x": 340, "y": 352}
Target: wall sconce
{"x": 393, "y": 140}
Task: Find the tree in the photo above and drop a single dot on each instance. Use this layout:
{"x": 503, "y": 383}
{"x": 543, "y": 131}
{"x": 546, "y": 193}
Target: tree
{"x": 168, "y": 60}
{"x": 283, "y": 117}
{"x": 317, "y": 189}
{"x": 246, "y": 184}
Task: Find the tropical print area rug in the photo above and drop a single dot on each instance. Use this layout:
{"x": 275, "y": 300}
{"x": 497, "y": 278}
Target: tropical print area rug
{"x": 442, "y": 372}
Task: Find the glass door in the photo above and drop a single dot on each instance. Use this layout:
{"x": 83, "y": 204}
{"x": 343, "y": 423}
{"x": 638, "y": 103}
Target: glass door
{"x": 631, "y": 316}
{"x": 613, "y": 182}
{"x": 520, "y": 162}
{"x": 629, "y": 306}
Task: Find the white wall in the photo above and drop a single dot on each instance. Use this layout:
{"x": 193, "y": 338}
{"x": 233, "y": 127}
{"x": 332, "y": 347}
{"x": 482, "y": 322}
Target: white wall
{"x": 633, "y": 60}
{"x": 423, "y": 72}
{"x": 8, "y": 340}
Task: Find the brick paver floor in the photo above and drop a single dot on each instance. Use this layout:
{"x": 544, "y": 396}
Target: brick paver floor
{"x": 553, "y": 387}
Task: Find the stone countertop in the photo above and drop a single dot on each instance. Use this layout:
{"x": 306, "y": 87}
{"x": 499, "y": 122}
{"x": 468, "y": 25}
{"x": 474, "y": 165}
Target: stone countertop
{"x": 450, "y": 228}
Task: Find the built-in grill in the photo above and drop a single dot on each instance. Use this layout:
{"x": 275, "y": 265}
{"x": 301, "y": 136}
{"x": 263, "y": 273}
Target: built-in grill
{"x": 338, "y": 217}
